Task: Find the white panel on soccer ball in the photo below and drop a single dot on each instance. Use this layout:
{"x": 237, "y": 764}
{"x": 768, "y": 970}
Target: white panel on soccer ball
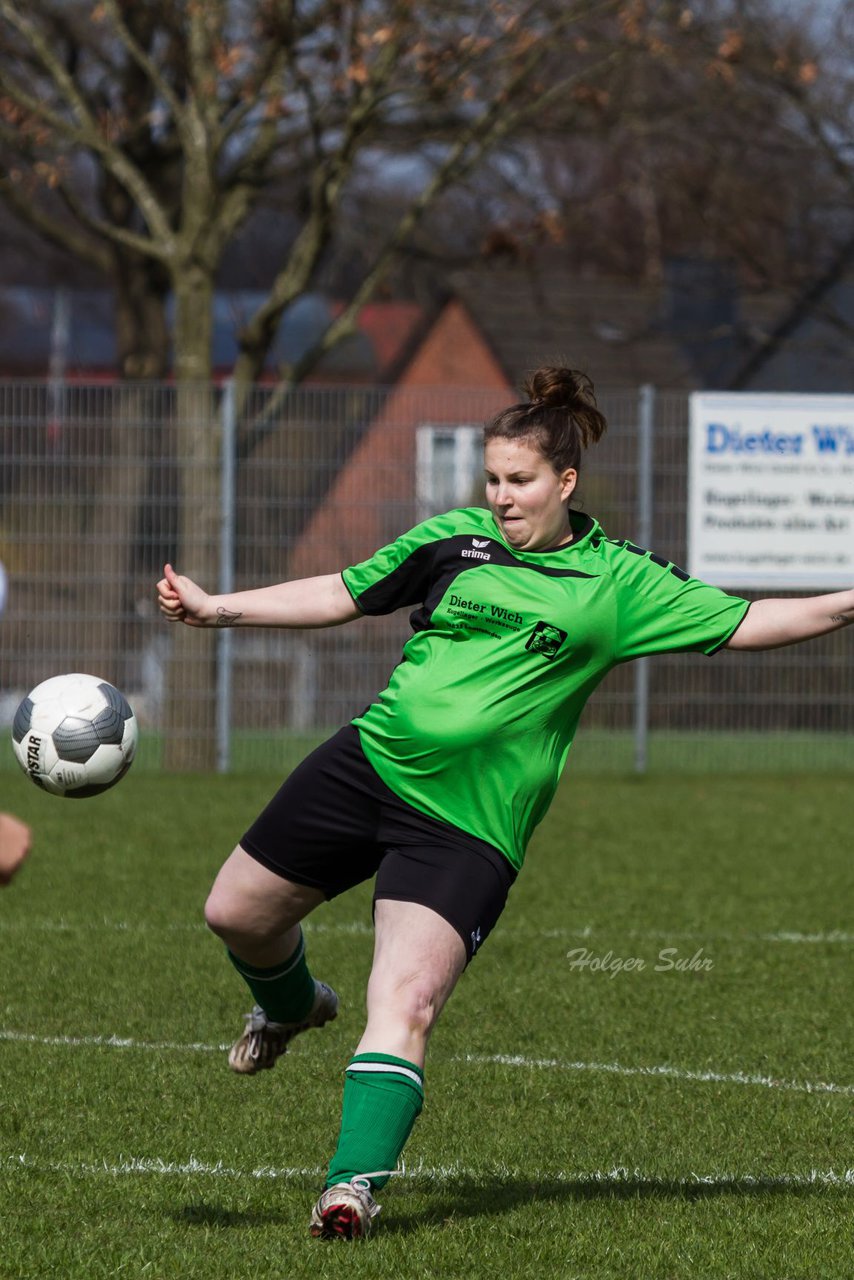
{"x": 65, "y": 777}
{"x": 85, "y": 702}
{"x": 47, "y": 714}
{"x": 103, "y": 766}
{"x": 49, "y": 688}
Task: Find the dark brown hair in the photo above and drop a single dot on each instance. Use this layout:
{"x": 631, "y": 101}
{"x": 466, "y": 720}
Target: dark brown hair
{"x": 561, "y": 418}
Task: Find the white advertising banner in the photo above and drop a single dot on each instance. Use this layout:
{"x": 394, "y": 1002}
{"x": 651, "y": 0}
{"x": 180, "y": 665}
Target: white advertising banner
{"x": 771, "y": 490}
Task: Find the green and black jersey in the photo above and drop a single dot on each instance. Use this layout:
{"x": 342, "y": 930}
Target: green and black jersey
{"x": 476, "y": 722}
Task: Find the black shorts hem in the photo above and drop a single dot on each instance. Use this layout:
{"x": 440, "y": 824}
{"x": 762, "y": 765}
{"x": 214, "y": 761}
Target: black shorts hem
{"x": 276, "y": 867}
{"x": 467, "y": 889}
{"x": 464, "y": 934}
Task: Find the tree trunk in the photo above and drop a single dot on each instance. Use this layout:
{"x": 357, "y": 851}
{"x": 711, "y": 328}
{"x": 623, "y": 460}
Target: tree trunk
{"x": 122, "y": 448}
{"x": 142, "y": 328}
{"x": 191, "y": 689}
{"x": 122, "y": 442}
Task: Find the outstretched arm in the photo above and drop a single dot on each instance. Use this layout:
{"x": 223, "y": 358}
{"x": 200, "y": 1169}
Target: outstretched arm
{"x": 769, "y": 624}
{"x": 306, "y": 602}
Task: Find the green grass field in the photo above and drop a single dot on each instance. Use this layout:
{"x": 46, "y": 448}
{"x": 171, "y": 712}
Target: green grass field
{"x": 654, "y": 1123}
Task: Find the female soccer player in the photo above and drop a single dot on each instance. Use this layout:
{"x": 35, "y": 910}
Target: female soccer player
{"x": 520, "y": 611}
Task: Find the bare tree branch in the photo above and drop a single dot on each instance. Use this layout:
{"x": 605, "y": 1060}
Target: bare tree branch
{"x": 146, "y": 63}
{"x": 495, "y": 121}
{"x": 315, "y": 235}
{"x": 102, "y": 228}
{"x": 58, "y": 233}
{"x": 251, "y": 165}
{"x": 87, "y": 132}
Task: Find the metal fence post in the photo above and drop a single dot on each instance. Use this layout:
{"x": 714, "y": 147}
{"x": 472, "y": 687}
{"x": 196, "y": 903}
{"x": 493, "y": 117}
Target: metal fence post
{"x": 60, "y": 337}
{"x": 224, "y": 654}
{"x": 646, "y": 429}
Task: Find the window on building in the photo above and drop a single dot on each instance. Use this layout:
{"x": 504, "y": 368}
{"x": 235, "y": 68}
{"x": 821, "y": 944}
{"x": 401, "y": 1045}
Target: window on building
{"x": 449, "y": 468}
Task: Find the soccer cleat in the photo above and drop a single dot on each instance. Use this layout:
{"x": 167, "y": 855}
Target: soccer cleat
{"x": 345, "y": 1211}
{"x": 264, "y": 1041}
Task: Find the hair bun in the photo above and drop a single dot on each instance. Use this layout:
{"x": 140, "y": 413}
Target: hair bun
{"x": 557, "y": 388}
{"x": 567, "y": 391}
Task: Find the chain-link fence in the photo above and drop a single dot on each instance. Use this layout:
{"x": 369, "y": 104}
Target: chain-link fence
{"x": 99, "y": 485}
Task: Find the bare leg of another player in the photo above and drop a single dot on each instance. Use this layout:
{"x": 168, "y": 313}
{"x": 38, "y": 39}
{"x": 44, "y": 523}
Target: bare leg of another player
{"x": 257, "y": 914}
{"x": 15, "y": 840}
{"x": 418, "y": 958}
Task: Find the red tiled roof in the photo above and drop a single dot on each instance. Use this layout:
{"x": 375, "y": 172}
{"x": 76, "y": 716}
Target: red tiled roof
{"x": 389, "y": 327}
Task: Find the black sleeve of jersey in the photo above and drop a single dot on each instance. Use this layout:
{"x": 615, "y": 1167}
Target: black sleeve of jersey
{"x": 407, "y": 584}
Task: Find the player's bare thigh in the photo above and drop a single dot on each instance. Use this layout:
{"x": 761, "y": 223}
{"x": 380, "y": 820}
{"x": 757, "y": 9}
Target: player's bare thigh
{"x": 256, "y": 911}
{"x": 418, "y": 958}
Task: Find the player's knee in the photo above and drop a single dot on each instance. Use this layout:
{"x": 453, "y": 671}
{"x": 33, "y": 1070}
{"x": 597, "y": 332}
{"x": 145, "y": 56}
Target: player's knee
{"x": 413, "y": 1003}
{"x": 223, "y": 915}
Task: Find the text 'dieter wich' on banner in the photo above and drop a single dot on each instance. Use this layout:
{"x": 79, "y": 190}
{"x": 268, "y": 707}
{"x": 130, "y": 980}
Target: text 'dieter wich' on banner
{"x": 771, "y": 490}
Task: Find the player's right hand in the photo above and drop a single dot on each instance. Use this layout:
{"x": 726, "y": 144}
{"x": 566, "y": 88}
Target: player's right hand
{"x": 182, "y": 600}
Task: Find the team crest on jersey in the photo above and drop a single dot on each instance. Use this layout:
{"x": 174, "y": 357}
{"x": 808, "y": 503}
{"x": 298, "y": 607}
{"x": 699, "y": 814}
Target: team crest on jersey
{"x": 546, "y": 639}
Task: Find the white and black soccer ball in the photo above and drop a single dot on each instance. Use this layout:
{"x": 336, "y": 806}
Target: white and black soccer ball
{"x": 75, "y": 735}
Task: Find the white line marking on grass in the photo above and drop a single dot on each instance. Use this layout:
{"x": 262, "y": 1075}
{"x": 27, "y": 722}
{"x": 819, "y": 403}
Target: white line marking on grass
{"x": 618, "y": 1176}
{"x": 153, "y": 1164}
{"x": 361, "y": 929}
{"x": 674, "y": 1073}
{"x": 93, "y": 926}
{"x": 472, "y": 1059}
{"x": 144, "y": 926}
{"x": 669, "y": 935}
{"x": 111, "y": 1042}
{"x": 835, "y": 935}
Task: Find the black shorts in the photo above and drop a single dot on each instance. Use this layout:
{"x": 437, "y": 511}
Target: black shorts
{"x": 334, "y": 823}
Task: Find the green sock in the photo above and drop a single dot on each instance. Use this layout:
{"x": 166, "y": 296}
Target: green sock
{"x": 383, "y": 1097}
{"x": 285, "y": 992}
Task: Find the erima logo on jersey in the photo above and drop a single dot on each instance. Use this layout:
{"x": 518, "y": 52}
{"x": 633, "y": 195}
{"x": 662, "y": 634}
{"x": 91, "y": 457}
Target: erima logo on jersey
{"x": 477, "y": 555}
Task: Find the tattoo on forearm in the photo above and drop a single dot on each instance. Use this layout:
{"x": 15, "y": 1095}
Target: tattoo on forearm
{"x": 845, "y": 618}
{"x": 226, "y": 617}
